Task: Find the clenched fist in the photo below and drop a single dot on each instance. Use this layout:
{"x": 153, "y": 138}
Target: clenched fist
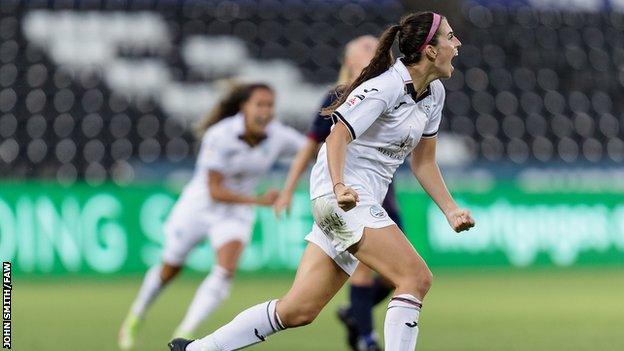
{"x": 460, "y": 220}
{"x": 346, "y": 197}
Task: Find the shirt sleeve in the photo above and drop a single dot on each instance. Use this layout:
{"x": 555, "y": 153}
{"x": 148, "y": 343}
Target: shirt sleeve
{"x": 363, "y": 106}
{"x": 321, "y": 126}
{"x": 435, "y": 116}
{"x": 292, "y": 141}
{"x": 213, "y": 155}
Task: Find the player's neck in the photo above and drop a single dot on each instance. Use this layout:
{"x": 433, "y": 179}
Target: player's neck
{"x": 252, "y": 139}
{"x": 422, "y": 75}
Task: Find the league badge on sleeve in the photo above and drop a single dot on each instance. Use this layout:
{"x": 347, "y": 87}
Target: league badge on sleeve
{"x": 354, "y": 100}
{"x": 377, "y": 211}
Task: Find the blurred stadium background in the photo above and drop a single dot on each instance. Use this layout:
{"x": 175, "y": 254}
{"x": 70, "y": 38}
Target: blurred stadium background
{"x": 97, "y": 104}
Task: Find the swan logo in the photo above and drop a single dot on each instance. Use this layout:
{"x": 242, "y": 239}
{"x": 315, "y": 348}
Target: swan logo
{"x": 426, "y": 105}
{"x": 400, "y": 149}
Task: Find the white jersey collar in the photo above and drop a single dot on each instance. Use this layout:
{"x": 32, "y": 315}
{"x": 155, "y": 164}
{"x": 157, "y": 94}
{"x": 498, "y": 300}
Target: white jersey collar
{"x": 399, "y": 66}
{"x": 239, "y": 128}
{"x": 238, "y": 123}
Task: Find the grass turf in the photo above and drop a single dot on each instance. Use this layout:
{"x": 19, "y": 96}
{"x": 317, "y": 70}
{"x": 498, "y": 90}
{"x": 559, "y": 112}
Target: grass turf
{"x": 467, "y": 309}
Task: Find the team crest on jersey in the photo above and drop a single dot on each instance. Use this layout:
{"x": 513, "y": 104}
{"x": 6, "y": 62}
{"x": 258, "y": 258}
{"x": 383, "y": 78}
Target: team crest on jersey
{"x": 228, "y": 154}
{"x": 377, "y": 211}
{"x": 399, "y": 150}
{"x": 238, "y": 177}
{"x": 426, "y": 106}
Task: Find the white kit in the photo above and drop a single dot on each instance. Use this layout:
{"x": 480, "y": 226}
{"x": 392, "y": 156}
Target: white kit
{"x": 196, "y": 215}
{"x": 386, "y": 121}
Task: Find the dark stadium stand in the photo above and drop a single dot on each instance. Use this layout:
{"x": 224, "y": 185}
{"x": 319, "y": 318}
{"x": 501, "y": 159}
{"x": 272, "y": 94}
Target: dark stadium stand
{"x": 531, "y": 86}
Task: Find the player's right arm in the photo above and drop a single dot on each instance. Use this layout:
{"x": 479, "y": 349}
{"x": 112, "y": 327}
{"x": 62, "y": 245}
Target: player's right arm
{"x": 336, "y": 153}
{"x": 220, "y": 193}
{"x": 359, "y": 111}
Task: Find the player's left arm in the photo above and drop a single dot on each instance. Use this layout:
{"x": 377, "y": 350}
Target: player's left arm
{"x": 305, "y": 149}
{"x": 426, "y": 170}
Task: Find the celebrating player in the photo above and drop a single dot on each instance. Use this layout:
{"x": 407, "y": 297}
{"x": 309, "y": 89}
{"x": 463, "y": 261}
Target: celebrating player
{"x": 389, "y": 112}
{"x": 240, "y": 144}
{"x": 366, "y": 290}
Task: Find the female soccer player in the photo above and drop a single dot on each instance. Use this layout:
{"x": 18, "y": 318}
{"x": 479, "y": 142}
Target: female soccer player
{"x": 239, "y": 147}
{"x": 366, "y": 291}
{"x": 388, "y": 112}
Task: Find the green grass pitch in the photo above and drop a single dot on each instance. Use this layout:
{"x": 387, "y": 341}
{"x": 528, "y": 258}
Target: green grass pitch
{"x": 467, "y": 309}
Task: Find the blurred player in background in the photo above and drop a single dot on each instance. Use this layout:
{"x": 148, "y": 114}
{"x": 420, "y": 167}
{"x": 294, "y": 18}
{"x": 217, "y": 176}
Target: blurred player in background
{"x": 366, "y": 289}
{"x": 240, "y": 143}
{"x": 392, "y": 110}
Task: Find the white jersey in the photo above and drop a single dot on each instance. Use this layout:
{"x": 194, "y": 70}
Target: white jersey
{"x": 386, "y": 121}
{"x": 241, "y": 165}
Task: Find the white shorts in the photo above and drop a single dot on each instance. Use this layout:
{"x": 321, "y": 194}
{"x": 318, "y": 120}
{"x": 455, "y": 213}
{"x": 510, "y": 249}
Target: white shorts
{"x": 186, "y": 227}
{"x": 335, "y": 230}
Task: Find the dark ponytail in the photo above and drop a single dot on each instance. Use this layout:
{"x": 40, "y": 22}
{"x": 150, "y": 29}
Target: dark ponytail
{"x": 228, "y": 106}
{"x": 378, "y": 65}
{"x": 412, "y": 32}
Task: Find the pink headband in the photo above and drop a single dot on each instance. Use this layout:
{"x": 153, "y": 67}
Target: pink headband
{"x": 434, "y": 28}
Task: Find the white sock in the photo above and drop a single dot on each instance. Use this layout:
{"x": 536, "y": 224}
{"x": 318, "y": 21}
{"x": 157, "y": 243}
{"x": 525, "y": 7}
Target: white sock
{"x": 401, "y": 324}
{"x": 212, "y": 291}
{"x": 251, "y": 326}
{"x": 150, "y": 288}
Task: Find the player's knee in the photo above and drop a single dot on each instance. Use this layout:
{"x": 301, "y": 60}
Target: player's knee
{"x": 219, "y": 282}
{"x": 299, "y": 316}
{"x": 425, "y": 280}
{"x": 168, "y": 272}
{"x": 229, "y": 267}
{"x": 305, "y": 317}
{"x": 417, "y": 282}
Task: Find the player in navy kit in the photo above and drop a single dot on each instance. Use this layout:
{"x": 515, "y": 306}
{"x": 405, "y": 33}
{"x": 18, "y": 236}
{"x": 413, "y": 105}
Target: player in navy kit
{"x": 391, "y": 111}
{"x": 366, "y": 290}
